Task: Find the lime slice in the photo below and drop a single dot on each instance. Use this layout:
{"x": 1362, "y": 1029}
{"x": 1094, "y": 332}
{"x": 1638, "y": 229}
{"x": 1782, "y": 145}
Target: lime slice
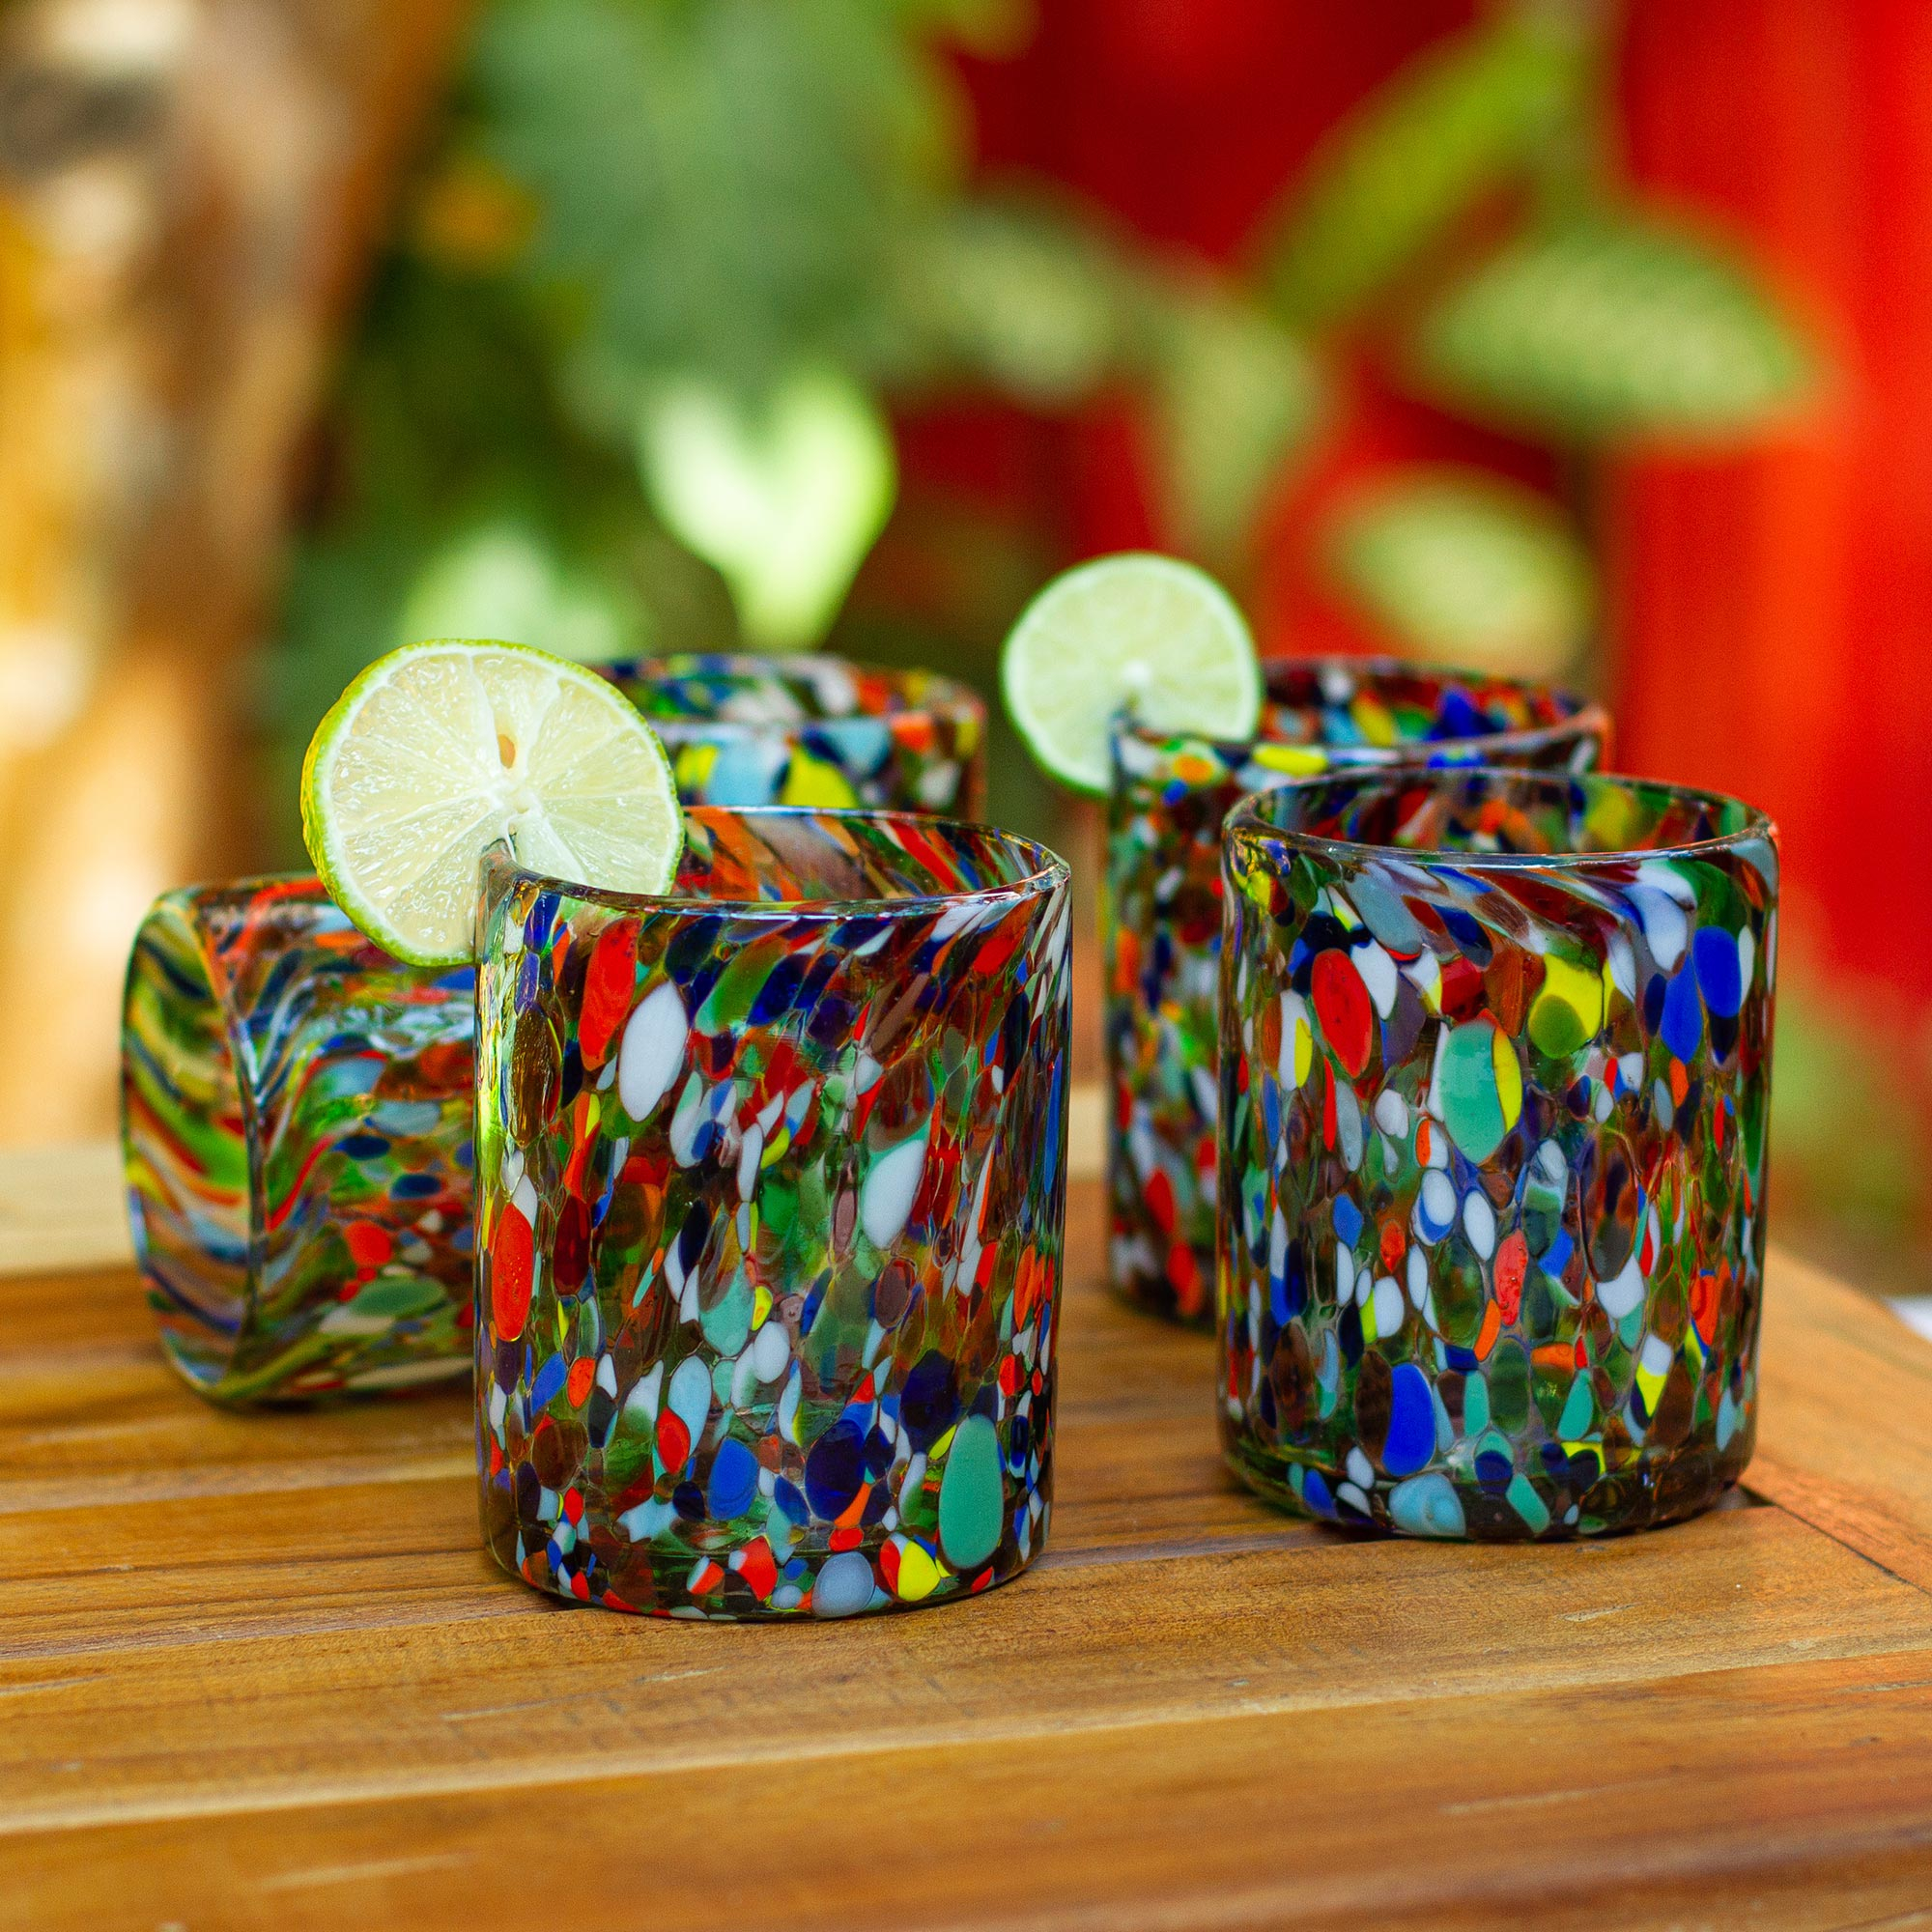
{"x": 442, "y": 748}
{"x": 1146, "y": 636}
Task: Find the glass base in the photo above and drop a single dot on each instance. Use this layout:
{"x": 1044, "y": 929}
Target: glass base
{"x": 745, "y": 1583}
{"x": 1449, "y": 1505}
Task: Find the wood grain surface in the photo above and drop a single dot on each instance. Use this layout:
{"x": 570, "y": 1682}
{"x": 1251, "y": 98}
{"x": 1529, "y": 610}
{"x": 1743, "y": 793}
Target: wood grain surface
{"x": 258, "y": 1672}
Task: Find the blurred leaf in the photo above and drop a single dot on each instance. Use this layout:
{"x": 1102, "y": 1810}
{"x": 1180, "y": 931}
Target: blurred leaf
{"x": 723, "y": 185}
{"x": 503, "y": 581}
{"x": 1611, "y": 329}
{"x": 1020, "y": 295}
{"x": 1452, "y": 126}
{"x": 1235, "y": 397}
{"x": 1466, "y": 569}
{"x": 786, "y": 499}
{"x": 1845, "y": 1124}
{"x": 992, "y": 29}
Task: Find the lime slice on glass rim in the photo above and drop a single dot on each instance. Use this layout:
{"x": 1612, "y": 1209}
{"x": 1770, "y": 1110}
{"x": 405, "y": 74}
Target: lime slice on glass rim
{"x": 442, "y": 748}
{"x": 1145, "y": 636}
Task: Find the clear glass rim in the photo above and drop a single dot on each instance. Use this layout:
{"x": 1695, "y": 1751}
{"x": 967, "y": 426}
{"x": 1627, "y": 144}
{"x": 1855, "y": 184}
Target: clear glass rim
{"x": 1045, "y": 869}
{"x": 929, "y": 694}
{"x": 1583, "y": 714}
{"x": 204, "y": 894}
{"x": 1251, "y": 817}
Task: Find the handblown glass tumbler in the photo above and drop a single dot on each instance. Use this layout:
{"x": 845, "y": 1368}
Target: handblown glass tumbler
{"x": 1495, "y": 1070}
{"x": 296, "y": 1110}
{"x": 1162, "y": 914}
{"x": 746, "y": 730}
{"x": 772, "y": 1184}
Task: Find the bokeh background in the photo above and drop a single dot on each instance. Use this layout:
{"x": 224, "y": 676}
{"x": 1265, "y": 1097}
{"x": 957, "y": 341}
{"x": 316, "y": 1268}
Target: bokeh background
{"x": 1556, "y": 335}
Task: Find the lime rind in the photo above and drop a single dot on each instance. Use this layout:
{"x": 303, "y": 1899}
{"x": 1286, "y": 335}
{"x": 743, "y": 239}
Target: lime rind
{"x": 440, "y": 750}
{"x": 1136, "y": 634}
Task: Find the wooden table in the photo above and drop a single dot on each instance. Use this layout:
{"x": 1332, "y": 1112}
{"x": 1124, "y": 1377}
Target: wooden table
{"x": 258, "y": 1672}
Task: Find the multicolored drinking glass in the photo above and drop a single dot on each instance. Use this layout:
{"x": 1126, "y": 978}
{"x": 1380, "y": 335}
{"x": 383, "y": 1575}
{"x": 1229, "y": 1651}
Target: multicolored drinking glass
{"x": 296, "y": 1110}
{"x": 770, "y": 1204}
{"x": 1161, "y": 910}
{"x": 297, "y": 1106}
{"x": 749, "y": 730}
{"x": 1496, "y": 1070}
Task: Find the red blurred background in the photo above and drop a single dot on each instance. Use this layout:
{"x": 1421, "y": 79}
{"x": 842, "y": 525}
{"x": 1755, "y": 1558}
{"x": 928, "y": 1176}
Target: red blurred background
{"x": 1767, "y": 611}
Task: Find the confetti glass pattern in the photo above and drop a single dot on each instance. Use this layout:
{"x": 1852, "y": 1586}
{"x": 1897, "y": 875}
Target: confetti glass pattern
{"x": 1495, "y": 1070}
{"x": 807, "y": 730}
{"x": 773, "y": 1184}
{"x": 295, "y": 1126}
{"x": 1161, "y": 912}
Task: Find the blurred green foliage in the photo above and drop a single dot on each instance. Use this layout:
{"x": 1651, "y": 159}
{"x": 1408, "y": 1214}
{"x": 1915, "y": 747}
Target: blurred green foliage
{"x": 1847, "y": 1120}
{"x": 623, "y": 383}
{"x": 625, "y": 378}
{"x": 1463, "y": 565}
{"x": 1464, "y": 228}
{"x": 723, "y": 186}
{"x": 1461, "y": 123}
{"x": 1613, "y": 329}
